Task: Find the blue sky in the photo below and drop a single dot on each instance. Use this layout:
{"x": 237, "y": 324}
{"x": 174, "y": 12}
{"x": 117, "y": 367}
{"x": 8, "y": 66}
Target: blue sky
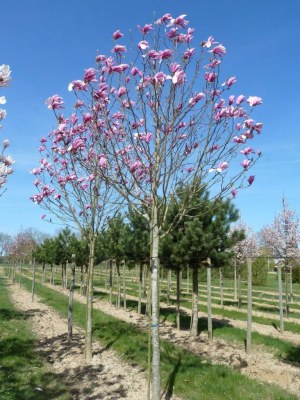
{"x": 50, "y": 43}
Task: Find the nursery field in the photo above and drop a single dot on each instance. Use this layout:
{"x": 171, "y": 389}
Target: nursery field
{"x": 192, "y": 367}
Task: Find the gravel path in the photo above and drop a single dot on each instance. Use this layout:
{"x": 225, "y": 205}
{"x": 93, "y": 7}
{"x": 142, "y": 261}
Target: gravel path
{"x": 108, "y": 377}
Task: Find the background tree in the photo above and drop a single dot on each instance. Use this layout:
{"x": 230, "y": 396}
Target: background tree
{"x": 203, "y": 233}
{"x": 163, "y": 116}
{"x": 246, "y": 247}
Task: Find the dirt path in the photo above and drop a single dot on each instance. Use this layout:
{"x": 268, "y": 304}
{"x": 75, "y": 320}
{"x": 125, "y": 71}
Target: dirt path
{"x": 107, "y": 378}
{"x": 259, "y": 365}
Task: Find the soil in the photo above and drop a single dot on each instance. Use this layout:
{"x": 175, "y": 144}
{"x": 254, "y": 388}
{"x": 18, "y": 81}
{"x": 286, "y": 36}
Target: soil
{"x": 110, "y": 377}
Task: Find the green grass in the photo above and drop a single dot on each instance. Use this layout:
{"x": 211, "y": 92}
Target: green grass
{"x": 191, "y": 376}
{"x": 22, "y": 371}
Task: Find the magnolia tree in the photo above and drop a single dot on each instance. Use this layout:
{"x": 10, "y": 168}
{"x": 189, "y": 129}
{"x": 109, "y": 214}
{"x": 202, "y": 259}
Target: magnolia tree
{"x": 5, "y": 161}
{"x": 248, "y": 247}
{"x": 161, "y": 113}
{"x": 282, "y": 237}
{"x": 70, "y": 186}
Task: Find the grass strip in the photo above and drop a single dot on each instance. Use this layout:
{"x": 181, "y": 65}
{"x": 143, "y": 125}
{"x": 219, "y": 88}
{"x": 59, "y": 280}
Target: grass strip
{"x": 190, "y": 376}
{"x": 23, "y": 373}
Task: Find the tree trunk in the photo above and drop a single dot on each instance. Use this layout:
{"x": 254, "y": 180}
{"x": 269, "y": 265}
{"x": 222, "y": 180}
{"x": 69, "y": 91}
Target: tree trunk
{"x": 169, "y": 277}
{"x": 291, "y": 285}
{"x": 249, "y": 306}
{"x": 124, "y": 286}
{"x": 235, "y": 281}
{"x": 188, "y": 279}
{"x": 118, "y": 299}
{"x": 62, "y": 276}
{"x": 287, "y": 306}
{"x": 155, "y": 305}
{"x": 81, "y": 279}
{"x": 20, "y": 274}
{"x": 85, "y": 280}
{"x": 178, "y": 292}
{"x": 140, "y": 289}
{"x": 280, "y": 299}
{"x": 89, "y": 302}
{"x": 221, "y": 287}
{"x": 239, "y": 271}
{"x": 44, "y": 272}
{"x": 194, "y": 317}
{"x": 209, "y": 316}
{"x": 52, "y": 275}
{"x": 33, "y": 280}
{"x": 66, "y": 274}
{"x": 71, "y": 299}
{"x": 110, "y": 280}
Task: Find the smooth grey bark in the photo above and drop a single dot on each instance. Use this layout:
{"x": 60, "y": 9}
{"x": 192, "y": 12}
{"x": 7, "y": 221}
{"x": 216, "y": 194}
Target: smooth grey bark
{"x": 281, "y": 323}
{"x": 194, "y": 316}
{"x": 118, "y": 299}
{"x": 89, "y": 302}
{"x": 20, "y": 274}
{"x": 43, "y": 272}
{"x": 239, "y": 284}
{"x": 178, "y": 293}
{"x": 52, "y": 275}
{"x": 81, "y": 279}
{"x": 169, "y": 277}
{"x": 291, "y": 285}
{"x": 249, "y": 306}
{"x": 33, "y": 280}
{"x": 155, "y": 304}
{"x": 235, "y": 280}
{"x": 71, "y": 299}
{"x": 209, "y": 316}
{"x": 140, "y": 288}
{"x": 221, "y": 287}
{"x": 110, "y": 280}
{"x": 124, "y": 286}
{"x": 188, "y": 279}
{"x": 287, "y": 306}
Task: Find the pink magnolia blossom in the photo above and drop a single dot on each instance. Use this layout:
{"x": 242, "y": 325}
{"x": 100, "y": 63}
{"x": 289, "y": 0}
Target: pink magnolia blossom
{"x": 194, "y": 100}
{"x": 143, "y": 45}
{"x": 90, "y": 75}
{"x": 254, "y": 101}
{"x": 209, "y": 42}
{"x": 239, "y": 99}
{"x": 5, "y": 77}
{"x": 179, "y": 21}
{"x": 78, "y": 85}
{"x": 164, "y": 19}
{"x": 233, "y": 193}
{"x": 120, "y": 68}
{"x": 221, "y": 167}
{"x": 230, "y": 81}
{"x": 178, "y": 77}
{"x": 117, "y": 35}
{"x": 218, "y": 50}
{"x": 121, "y": 91}
{"x": 251, "y": 179}
{"x": 245, "y": 163}
{"x": 146, "y": 137}
{"x": 145, "y": 29}
{"x": 247, "y": 150}
{"x": 188, "y": 53}
{"x": 54, "y": 102}
{"x": 118, "y": 49}
{"x": 102, "y": 161}
{"x": 210, "y": 77}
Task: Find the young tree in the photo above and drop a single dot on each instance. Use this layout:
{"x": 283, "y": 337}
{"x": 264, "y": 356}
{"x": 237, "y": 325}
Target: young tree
{"x": 70, "y": 186}
{"x": 163, "y": 115}
{"x": 5, "y": 161}
{"x": 246, "y": 247}
{"x": 282, "y": 239}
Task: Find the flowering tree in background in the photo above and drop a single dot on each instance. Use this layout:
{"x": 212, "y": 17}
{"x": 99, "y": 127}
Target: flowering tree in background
{"x": 70, "y": 186}
{"x": 281, "y": 240}
{"x": 282, "y": 237}
{"x": 161, "y": 114}
{"x": 5, "y": 161}
{"x": 248, "y": 247}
